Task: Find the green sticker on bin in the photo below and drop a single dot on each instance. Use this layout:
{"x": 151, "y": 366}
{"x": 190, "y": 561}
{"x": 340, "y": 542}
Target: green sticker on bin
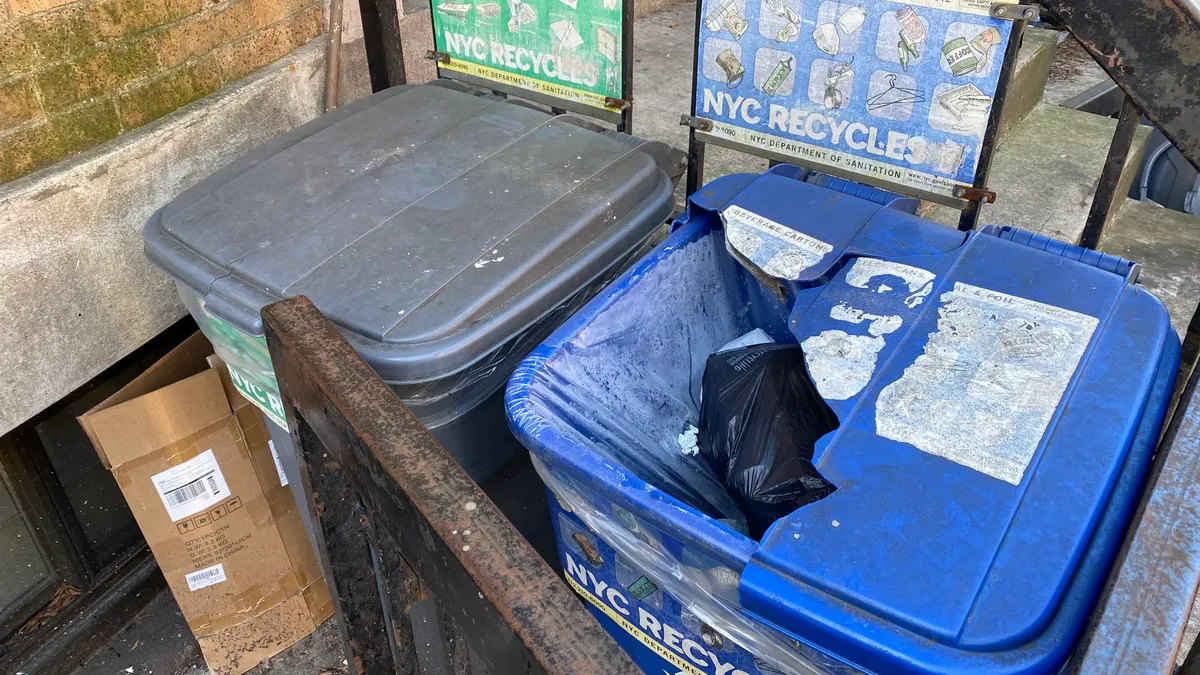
{"x": 266, "y": 399}
{"x": 642, "y": 588}
{"x": 249, "y": 363}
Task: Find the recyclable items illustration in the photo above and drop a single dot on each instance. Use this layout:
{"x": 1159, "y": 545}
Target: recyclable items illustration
{"x": 833, "y": 95}
{"x": 725, "y": 16}
{"x": 786, "y": 18}
{"x": 967, "y": 105}
{"x": 912, "y": 35}
{"x": 781, "y": 70}
{"x": 894, "y": 95}
{"x": 734, "y": 71}
{"x": 565, "y": 35}
{"x": 454, "y": 9}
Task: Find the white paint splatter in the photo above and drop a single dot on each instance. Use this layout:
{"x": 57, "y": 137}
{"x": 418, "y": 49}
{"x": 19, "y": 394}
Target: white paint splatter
{"x": 919, "y": 281}
{"x": 840, "y": 364}
{"x": 483, "y": 261}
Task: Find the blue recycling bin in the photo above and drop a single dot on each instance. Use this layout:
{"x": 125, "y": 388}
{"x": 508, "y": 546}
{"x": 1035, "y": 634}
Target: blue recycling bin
{"x": 998, "y": 393}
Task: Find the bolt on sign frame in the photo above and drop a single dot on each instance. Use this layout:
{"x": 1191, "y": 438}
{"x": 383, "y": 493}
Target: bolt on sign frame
{"x": 570, "y": 55}
{"x": 905, "y": 96}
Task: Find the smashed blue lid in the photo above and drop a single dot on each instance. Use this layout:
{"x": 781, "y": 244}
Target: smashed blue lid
{"x": 989, "y": 388}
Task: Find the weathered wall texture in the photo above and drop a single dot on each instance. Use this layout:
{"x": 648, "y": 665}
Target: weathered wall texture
{"x": 76, "y": 74}
{"x": 76, "y": 292}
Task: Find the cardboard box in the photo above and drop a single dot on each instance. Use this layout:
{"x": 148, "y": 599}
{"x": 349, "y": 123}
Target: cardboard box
{"x": 192, "y": 458}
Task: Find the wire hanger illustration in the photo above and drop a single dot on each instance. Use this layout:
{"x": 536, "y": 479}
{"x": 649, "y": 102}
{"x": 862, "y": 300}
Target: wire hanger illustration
{"x": 895, "y": 95}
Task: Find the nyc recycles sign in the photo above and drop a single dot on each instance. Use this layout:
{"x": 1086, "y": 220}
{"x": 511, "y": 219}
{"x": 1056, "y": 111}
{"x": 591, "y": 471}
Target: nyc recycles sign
{"x": 569, "y": 49}
{"x": 889, "y": 92}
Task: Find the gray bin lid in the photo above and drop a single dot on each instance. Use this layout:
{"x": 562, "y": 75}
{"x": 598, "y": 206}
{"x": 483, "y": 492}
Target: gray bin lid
{"x": 430, "y": 224}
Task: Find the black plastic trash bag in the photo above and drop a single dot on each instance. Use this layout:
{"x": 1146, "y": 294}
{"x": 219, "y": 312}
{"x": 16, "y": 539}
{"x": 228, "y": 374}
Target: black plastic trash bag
{"x": 760, "y": 418}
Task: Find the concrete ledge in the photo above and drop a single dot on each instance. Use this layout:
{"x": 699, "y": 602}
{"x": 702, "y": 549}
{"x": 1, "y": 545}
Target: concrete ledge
{"x": 1029, "y": 77}
{"x": 1045, "y": 172}
{"x": 78, "y": 293}
{"x": 1167, "y": 244}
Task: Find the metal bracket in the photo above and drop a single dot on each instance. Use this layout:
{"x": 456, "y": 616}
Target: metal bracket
{"x": 695, "y": 123}
{"x": 1014, "y": 12}
{"x": 440, "y": 57}
{"x": 974, "y": 194}
{"x": 618, "y": 103}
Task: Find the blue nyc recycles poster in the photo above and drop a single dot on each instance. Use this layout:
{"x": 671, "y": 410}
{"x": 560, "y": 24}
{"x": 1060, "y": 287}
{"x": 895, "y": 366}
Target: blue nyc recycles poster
{"x": 890, "y": 92}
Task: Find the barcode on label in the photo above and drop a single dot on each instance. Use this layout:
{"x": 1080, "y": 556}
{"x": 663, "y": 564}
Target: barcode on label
{"x": 191, "y": 487}
{"x": 205, "y": 577}
{"x": 194, "y": 489}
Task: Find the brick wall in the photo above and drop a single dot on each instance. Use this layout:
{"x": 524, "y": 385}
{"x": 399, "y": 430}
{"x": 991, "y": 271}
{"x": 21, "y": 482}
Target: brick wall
{"x": 75, "y": 74}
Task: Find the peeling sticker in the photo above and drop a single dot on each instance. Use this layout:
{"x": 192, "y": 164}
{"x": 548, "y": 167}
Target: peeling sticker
{"x": 841, "y": 364}
{"x": 879, "y": 325}
{"x": 776, "y": 249}
{"x": 919, "y": 281}
{"x": 992, "y": 374}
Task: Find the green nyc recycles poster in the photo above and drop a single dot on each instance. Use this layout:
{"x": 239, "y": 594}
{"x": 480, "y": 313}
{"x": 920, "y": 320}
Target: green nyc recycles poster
{"x": 569, "y": 49}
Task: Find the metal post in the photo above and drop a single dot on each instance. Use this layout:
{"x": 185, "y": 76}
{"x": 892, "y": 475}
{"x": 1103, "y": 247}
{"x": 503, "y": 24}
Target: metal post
{"x": 627, "y": 15}
{"x": 970, "y": 215}
{"x": 1106, "y": 197}
{"x": 695, "y": 150}
{"x": 381, "y": 37}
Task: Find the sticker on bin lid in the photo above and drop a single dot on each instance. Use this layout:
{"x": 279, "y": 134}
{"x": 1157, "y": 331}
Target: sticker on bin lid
{"x": 865, "y": 270}
{"x": 986, "y": 387}
{"x": 776, "y": 249}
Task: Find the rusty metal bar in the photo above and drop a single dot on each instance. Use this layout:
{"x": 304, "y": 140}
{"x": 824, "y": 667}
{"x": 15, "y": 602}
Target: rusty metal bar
{"x": 1151, "y": 49}
{"x": 1106, "y": 199}
{"x": 366, "y": 458}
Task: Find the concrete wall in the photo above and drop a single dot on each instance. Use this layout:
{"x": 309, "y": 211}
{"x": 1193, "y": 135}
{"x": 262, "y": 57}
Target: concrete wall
{"x": 76, "y": 73}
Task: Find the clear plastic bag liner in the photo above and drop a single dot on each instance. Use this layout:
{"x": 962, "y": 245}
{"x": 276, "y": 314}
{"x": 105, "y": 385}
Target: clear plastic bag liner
{"x": 629, "y": 381}
{"x": 711, "y": 597}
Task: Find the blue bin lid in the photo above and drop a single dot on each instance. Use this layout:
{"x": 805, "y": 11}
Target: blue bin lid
{"x": 990, "y": 387}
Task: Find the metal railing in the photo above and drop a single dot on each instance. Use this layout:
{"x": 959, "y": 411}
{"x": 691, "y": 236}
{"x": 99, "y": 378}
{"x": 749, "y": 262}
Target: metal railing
{"x": 427, "y": 574}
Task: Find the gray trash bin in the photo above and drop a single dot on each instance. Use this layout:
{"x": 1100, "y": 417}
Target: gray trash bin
{"x": 445, "y": 233}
